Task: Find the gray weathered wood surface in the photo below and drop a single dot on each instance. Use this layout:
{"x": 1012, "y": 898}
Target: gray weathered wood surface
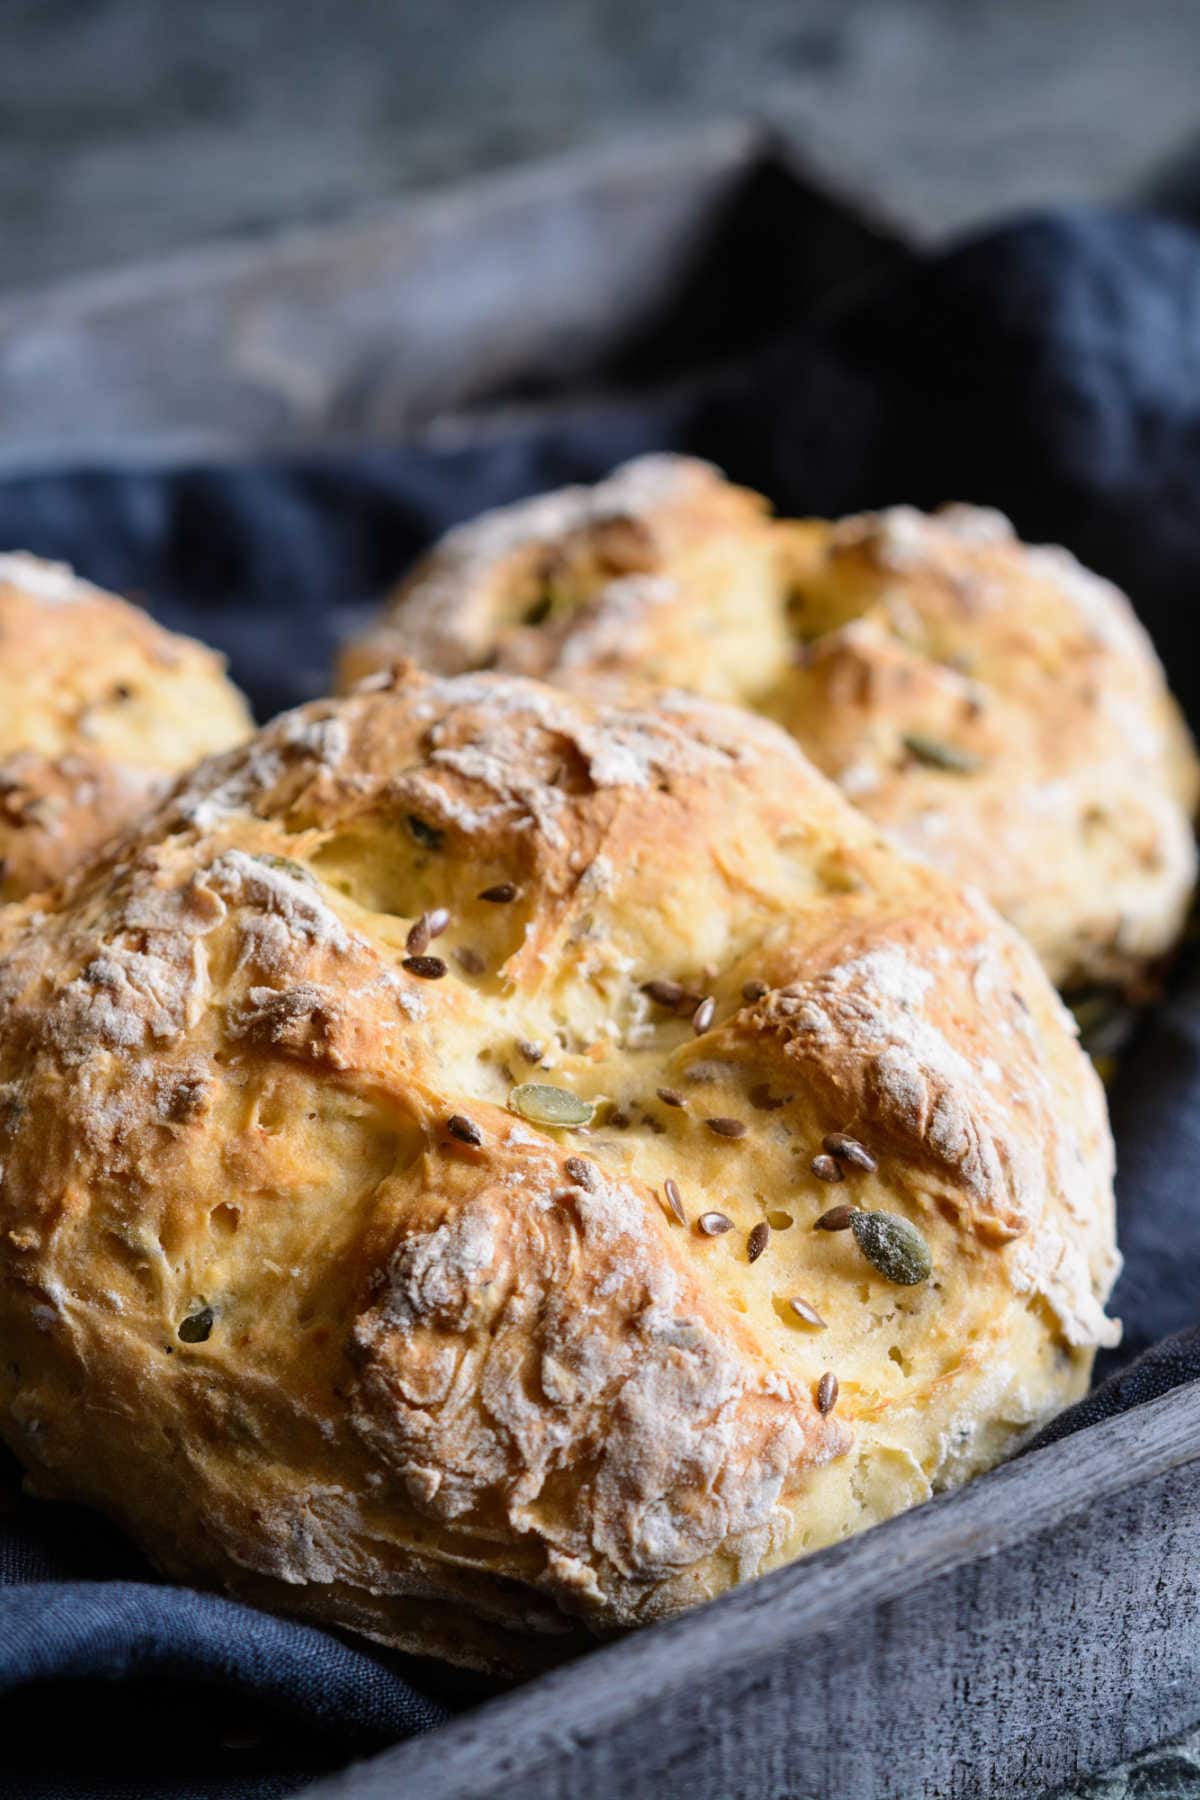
{"x": 991, "y": 1645}
{"x": 134, "y": 127}
{"x": 364, "y": 332}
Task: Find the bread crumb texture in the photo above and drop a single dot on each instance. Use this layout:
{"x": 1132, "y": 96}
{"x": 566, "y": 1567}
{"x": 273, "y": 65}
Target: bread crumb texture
{"x": 306, "y": 1282}
{"x": 997, "y": 708}
{"x": 100, "y": 709}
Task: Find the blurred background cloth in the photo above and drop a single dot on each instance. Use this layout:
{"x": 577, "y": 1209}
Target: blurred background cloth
{"x": 129, "y": 128}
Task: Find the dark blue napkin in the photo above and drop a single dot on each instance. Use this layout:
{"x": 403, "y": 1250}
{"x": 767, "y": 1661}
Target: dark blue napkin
{"x": 1051, "y": 368}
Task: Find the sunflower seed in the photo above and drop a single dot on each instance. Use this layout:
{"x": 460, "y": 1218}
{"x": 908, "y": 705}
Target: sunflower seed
{"x": 674, "y": 1199}
{"x": 287, "y": 866}
{"x": 703, "y": 1016}
{"x": 893, "y": 1246}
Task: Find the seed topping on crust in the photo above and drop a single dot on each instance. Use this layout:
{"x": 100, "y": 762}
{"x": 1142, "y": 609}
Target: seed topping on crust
{"x": 756, "y": 1243}
{"x": 807, "y": 1313}
{"x": 674, "y": 1199}
{"x": 429, "y": 968}
{"x": 849, "y": 1150}
{"x": 714, "y": 1224}
{"x": 552, "y": 1106}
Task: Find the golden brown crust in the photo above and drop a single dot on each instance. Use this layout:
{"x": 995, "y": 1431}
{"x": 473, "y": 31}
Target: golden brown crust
{"x": 99, "y": 709}
{"x": 288, "y": 1288}
{"x": 997, "y": 708}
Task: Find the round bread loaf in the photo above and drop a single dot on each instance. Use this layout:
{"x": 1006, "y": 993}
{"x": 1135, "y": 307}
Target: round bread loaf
{"x": 997, "y": 708}
{"x": 99, "y": 709}
{"x": 415, "y": 1140}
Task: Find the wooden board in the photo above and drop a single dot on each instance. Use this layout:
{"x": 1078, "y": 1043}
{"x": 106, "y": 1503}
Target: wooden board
{"x": 1037, "y": 1626}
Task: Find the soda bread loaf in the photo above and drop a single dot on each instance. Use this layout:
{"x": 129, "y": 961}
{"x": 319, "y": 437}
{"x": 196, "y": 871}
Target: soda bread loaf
{"x": 997, "y": 708}
{"x": 100, "y": 709}
{"x": 480, "y": 1166}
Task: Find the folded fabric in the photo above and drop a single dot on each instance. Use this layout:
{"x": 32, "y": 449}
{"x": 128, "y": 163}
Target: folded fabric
{"x": 1053, "y": 369}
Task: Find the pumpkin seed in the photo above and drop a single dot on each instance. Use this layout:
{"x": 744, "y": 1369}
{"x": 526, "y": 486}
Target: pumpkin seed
{"x": 540, "y": 611}
{"x": 286, "y": 866}
{"x": 1104, "y": 1019}
{"x": 196, "y": 1328}
{"x": 428, "y": 836}
{"x": 553, "y": 1106}
{"x": 893, "y": 1246}
{"x": 935, "y": 753}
